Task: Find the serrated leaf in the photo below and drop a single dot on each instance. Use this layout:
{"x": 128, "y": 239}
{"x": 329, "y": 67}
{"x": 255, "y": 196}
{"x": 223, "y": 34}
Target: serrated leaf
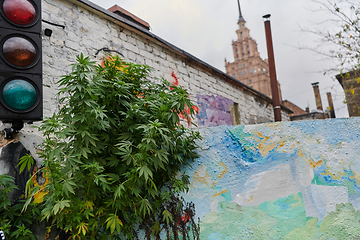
{"x": 113, "y": 222}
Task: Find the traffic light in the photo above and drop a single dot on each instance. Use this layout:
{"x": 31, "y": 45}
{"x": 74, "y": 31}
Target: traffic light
{"x": 20, "y": 61}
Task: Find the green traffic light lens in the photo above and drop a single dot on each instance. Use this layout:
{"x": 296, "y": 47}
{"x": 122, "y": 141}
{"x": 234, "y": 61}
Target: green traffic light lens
{"x": 19, "y": 94}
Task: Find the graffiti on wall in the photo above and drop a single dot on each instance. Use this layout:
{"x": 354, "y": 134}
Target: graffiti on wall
{"x": 213, "y": 110}
{"x": 290, "y": 180}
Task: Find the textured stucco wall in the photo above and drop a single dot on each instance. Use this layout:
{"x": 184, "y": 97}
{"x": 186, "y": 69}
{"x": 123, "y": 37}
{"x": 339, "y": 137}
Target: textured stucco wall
{"x": 289, "y": 180}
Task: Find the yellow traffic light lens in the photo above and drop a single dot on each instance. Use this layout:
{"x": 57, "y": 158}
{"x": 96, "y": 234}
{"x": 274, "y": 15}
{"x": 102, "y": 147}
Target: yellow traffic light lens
{"x": 19, "y": 94}
{"x": 21, "y": 12}
{"x": 19, "y": 51}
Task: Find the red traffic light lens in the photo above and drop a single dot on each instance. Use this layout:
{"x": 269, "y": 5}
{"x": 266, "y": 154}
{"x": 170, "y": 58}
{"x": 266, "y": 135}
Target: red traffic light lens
{"x": 19, "y": 51}
{"x": 21, "y": 12}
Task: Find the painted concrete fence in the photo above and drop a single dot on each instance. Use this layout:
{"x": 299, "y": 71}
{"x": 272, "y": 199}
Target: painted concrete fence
{"x": 289, "y": 180}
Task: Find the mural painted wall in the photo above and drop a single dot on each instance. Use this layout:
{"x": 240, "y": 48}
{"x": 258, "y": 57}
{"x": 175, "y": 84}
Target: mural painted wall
{"x": 214, "y": 110}
{"x": 289, "y": 180}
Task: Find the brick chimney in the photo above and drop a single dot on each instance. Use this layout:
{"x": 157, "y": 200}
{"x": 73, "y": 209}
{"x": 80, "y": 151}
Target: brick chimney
{"x": 317, "y": 96}
{"x": 331, "y": 105}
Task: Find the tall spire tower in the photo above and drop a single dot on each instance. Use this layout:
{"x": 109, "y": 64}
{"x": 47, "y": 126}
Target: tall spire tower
{"x": 248, "y": 67}
{"x": 241, "y": 19}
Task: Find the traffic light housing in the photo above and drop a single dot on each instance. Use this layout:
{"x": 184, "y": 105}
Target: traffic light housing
{"x": 20, "y": 61}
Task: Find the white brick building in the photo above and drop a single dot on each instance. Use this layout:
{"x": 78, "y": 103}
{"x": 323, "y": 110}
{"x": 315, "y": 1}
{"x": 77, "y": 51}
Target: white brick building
{"x": 79, "y": 26}
{"x": 89, "y": 28}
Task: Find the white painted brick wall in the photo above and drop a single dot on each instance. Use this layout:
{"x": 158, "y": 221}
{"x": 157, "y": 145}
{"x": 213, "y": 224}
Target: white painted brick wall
{"x": 87, "y": 32}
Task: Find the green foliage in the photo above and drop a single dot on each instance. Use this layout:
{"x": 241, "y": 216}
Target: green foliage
{"x": 113, "y": 153}
{"x": 14, "y": 223}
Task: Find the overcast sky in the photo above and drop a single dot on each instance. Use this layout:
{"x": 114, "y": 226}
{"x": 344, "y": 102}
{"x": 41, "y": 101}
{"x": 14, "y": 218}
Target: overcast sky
{"x": 205, "y": 29}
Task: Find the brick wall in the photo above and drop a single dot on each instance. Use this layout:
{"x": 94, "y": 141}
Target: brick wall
{"x": 87, "y": 30}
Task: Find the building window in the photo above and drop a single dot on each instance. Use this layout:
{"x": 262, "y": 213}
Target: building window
{"x": 250, "y": 81}
{"x": 251, "y": 70}
{"x": 235, "y": 114}
{"x": 243, "y": 56}
{"x": 241, "y": 35}
{"x": 248, "y": 54}
{"x": 234, "y": 75}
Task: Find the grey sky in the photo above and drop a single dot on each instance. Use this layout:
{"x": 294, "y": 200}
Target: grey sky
{"x": 205, "y": 28}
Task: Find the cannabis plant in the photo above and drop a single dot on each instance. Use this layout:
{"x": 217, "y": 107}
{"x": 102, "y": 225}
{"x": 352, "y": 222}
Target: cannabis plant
{"x": 112, "y": 154}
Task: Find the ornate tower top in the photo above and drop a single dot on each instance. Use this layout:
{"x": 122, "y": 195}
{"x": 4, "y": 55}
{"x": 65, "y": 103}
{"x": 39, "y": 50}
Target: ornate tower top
{"x": 241, "y": 19}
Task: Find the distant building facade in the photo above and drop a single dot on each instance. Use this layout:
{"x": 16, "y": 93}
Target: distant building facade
{"x": 296, "y": 109}
{"x": 248, "y": 67}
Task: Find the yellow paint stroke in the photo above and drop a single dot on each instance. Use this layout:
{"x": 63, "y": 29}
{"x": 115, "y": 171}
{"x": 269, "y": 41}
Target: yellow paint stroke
{"x": 221, "y": 175}
{"x": 200, "y": 177}
{"x": 263, "y": 148}
{"x": 314, "y": 164}
{"x": 293, "y": 147}
{"x": 300, "y": 154}
{"x": 256, "y": 139}
{"x": 219, "y": 194}
{"x": 333, "y": 175}
{"x": 299, "y": 201}
{"x": 40, "y": 194}
{"x": 251, "y": 198}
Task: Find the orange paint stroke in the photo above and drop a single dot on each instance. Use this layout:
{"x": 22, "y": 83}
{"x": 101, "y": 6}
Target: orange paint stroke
{"x": 219, "y": 194}
{"x": 314, "y": 164}
{"x": 300, "y": 154}
{"x": 263, "y": 147}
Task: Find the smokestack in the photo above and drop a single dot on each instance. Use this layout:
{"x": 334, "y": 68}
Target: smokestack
{"x": 331, "y": 105}
{"x": 273, "y": 81}
{"x": 317, "y": 96}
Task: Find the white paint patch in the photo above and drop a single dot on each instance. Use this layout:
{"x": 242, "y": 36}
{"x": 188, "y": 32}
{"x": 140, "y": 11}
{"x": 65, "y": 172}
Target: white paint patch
{"x": 267, "y": 186}
{"x": 4, "y": 167}
{"x": 214, "y": 204}
{"x": 319, "y": 200}
{"x": 304, "y": 174}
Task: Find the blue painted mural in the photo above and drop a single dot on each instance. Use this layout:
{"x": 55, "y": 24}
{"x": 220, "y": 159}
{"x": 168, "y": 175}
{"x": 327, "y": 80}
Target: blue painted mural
{"x": 289, "y": 180}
